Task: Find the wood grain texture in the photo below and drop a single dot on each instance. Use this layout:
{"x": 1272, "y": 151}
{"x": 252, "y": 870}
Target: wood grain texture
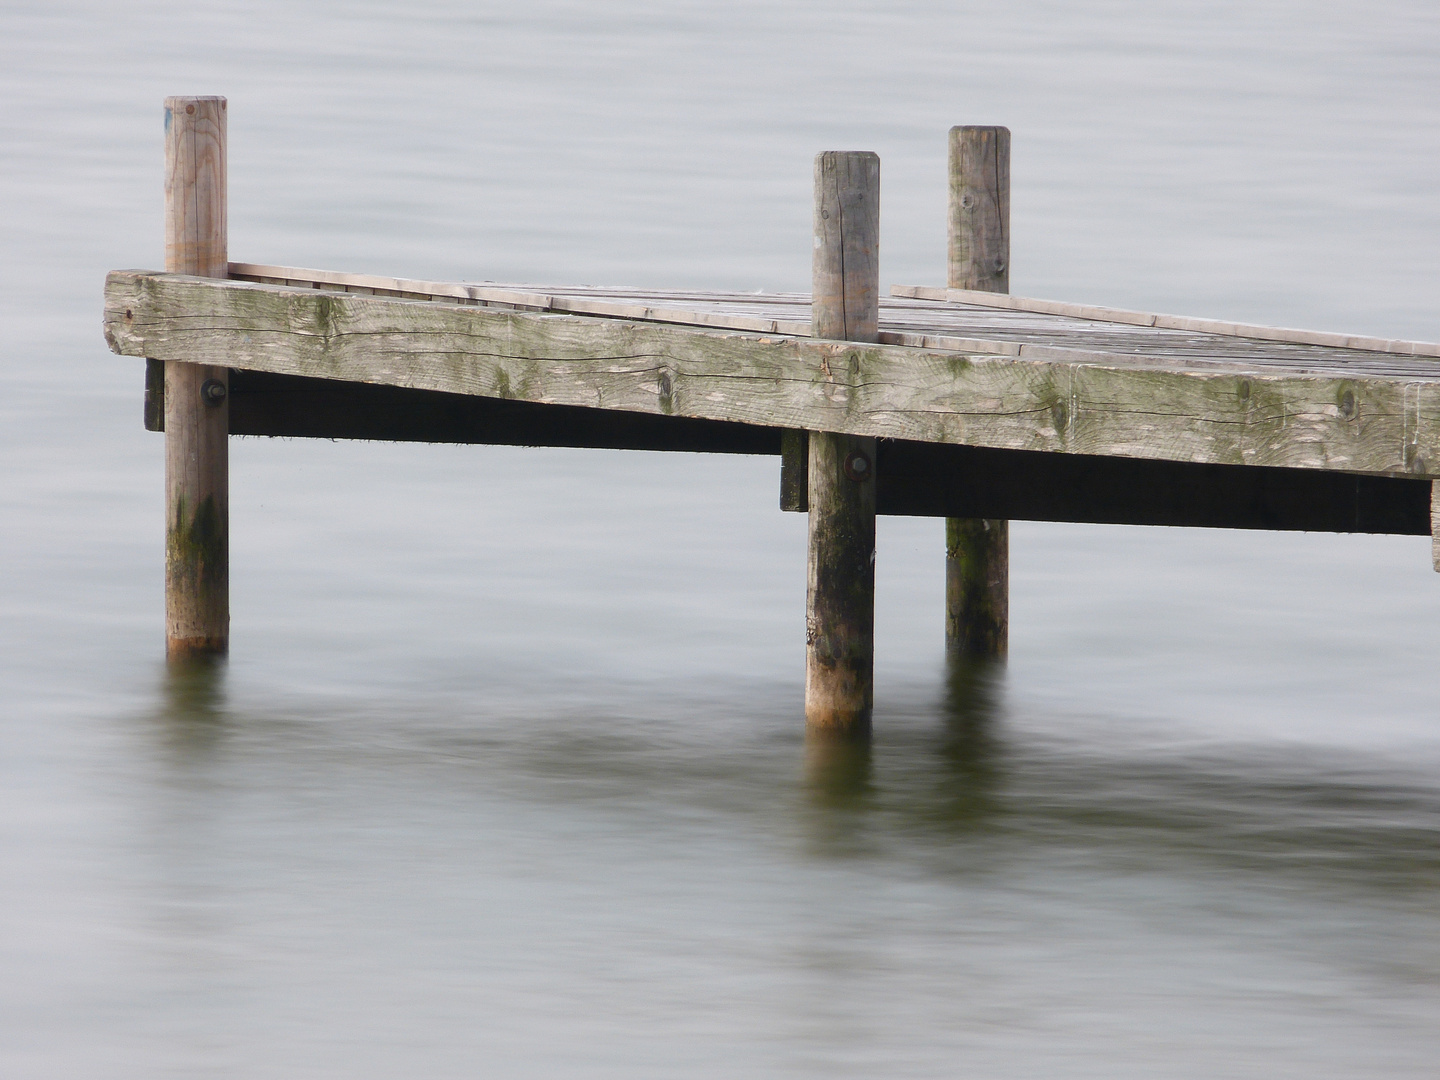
{"x": 1141, "y": 408}
{"x": 197, "y": 501}
{"x": 979, "y": 247}
{"x": 846, "y": 263}
{"x": 977, "y": 550}
{"x": 196, "y": 229}
{"x": 840, "y": 597}
{"x": 977, "y": 587}
{"x": 795, "y": 471}
{"x": 1435, "y": 524}
{"x": 154, "y": 414}
{"x": 840, "y": 588}
{"x": 1215, "y": 327}
{"x": 984, "y": 323}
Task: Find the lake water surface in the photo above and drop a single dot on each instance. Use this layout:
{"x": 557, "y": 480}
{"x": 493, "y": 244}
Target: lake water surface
{"x": 506, "y": 773}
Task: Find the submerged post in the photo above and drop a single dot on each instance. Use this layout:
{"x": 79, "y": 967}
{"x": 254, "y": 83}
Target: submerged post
{"x": 977, "y": 550}
{"x": 840, "y": 594}
{"x": 196, "y": 410}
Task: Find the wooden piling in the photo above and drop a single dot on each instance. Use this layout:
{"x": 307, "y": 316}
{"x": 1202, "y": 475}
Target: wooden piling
{"x": 196, "y": 407}
{"x": 977, "y": 550}
{"x": 840, "y": 594}
{"x": 1435, "y": 524}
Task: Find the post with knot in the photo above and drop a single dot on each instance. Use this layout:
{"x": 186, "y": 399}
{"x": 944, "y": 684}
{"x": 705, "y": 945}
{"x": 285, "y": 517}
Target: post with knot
{"x": 977, "y": 550}
{"x": 840, "y": 594}
{"x": 196, "y": 409}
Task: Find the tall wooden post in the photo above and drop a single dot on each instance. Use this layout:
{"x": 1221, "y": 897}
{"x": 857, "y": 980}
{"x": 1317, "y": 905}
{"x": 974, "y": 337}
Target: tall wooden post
{"x": 840, "y": 597}
{"x": 977, "y": 550}
{"x": 197, "y": 413}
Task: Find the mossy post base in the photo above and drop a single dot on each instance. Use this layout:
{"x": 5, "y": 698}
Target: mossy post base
{"x": 197, "y": 512}
{"x": 840, "y": 595}
{"x": 977, "y": 551}
{"x": 977, "y": 587}
{"x": 840, "y": 592}
{"x": 196, "y": 408}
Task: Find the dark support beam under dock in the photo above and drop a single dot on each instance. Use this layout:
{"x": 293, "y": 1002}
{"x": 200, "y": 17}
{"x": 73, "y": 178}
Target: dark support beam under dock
{"x": 913, "y": 479}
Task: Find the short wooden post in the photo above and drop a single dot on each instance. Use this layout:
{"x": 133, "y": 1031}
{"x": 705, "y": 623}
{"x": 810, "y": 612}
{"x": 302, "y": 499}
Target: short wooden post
{"x": 197, "y": 415}
{"x": 840, "y": 597}
{"x": 1435, "y": 524}
{"x": 977, "y": 550}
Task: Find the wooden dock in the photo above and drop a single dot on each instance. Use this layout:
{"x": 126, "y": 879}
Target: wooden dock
{"x": 963, "y": 402}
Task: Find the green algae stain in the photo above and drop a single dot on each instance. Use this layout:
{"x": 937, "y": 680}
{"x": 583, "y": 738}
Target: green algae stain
{"x": 197, "y": 545}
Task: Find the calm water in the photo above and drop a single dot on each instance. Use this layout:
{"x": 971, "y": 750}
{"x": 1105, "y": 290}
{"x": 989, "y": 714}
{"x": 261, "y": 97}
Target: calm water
{"x": 506, "y": 774}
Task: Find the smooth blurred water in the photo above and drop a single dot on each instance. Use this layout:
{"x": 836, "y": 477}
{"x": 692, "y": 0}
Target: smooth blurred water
{"x": 506, "y": 775}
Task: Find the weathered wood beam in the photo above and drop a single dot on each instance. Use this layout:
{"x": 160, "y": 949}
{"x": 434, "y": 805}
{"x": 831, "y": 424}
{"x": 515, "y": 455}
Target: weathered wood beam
{"x": 1345, "y": 421}
{"x": 1221, "y": 327}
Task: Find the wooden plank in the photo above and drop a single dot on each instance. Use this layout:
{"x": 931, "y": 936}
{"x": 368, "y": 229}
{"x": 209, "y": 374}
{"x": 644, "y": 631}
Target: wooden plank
{"x": 900, "y": 325}
{"x": 196, "y": 414}
{"x": 919, "y": 324}
{"x": 1170, "y": 322}
{"x": 1140, "y": 409}
{"x": 570, "y": 301}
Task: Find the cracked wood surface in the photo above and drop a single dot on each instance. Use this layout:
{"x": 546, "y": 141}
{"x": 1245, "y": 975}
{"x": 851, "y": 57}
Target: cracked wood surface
{"x": 1158, "y": 406}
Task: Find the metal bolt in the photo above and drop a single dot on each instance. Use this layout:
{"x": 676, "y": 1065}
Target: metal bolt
{"x": 212, "y": 391}
{"x": 857, "y": 466}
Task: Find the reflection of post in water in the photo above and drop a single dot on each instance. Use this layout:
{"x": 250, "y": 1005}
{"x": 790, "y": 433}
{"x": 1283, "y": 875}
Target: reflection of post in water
{"x": 970, "y": 748}
{"x": 838, "y": 770}
{"x": 193, "y": 709}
